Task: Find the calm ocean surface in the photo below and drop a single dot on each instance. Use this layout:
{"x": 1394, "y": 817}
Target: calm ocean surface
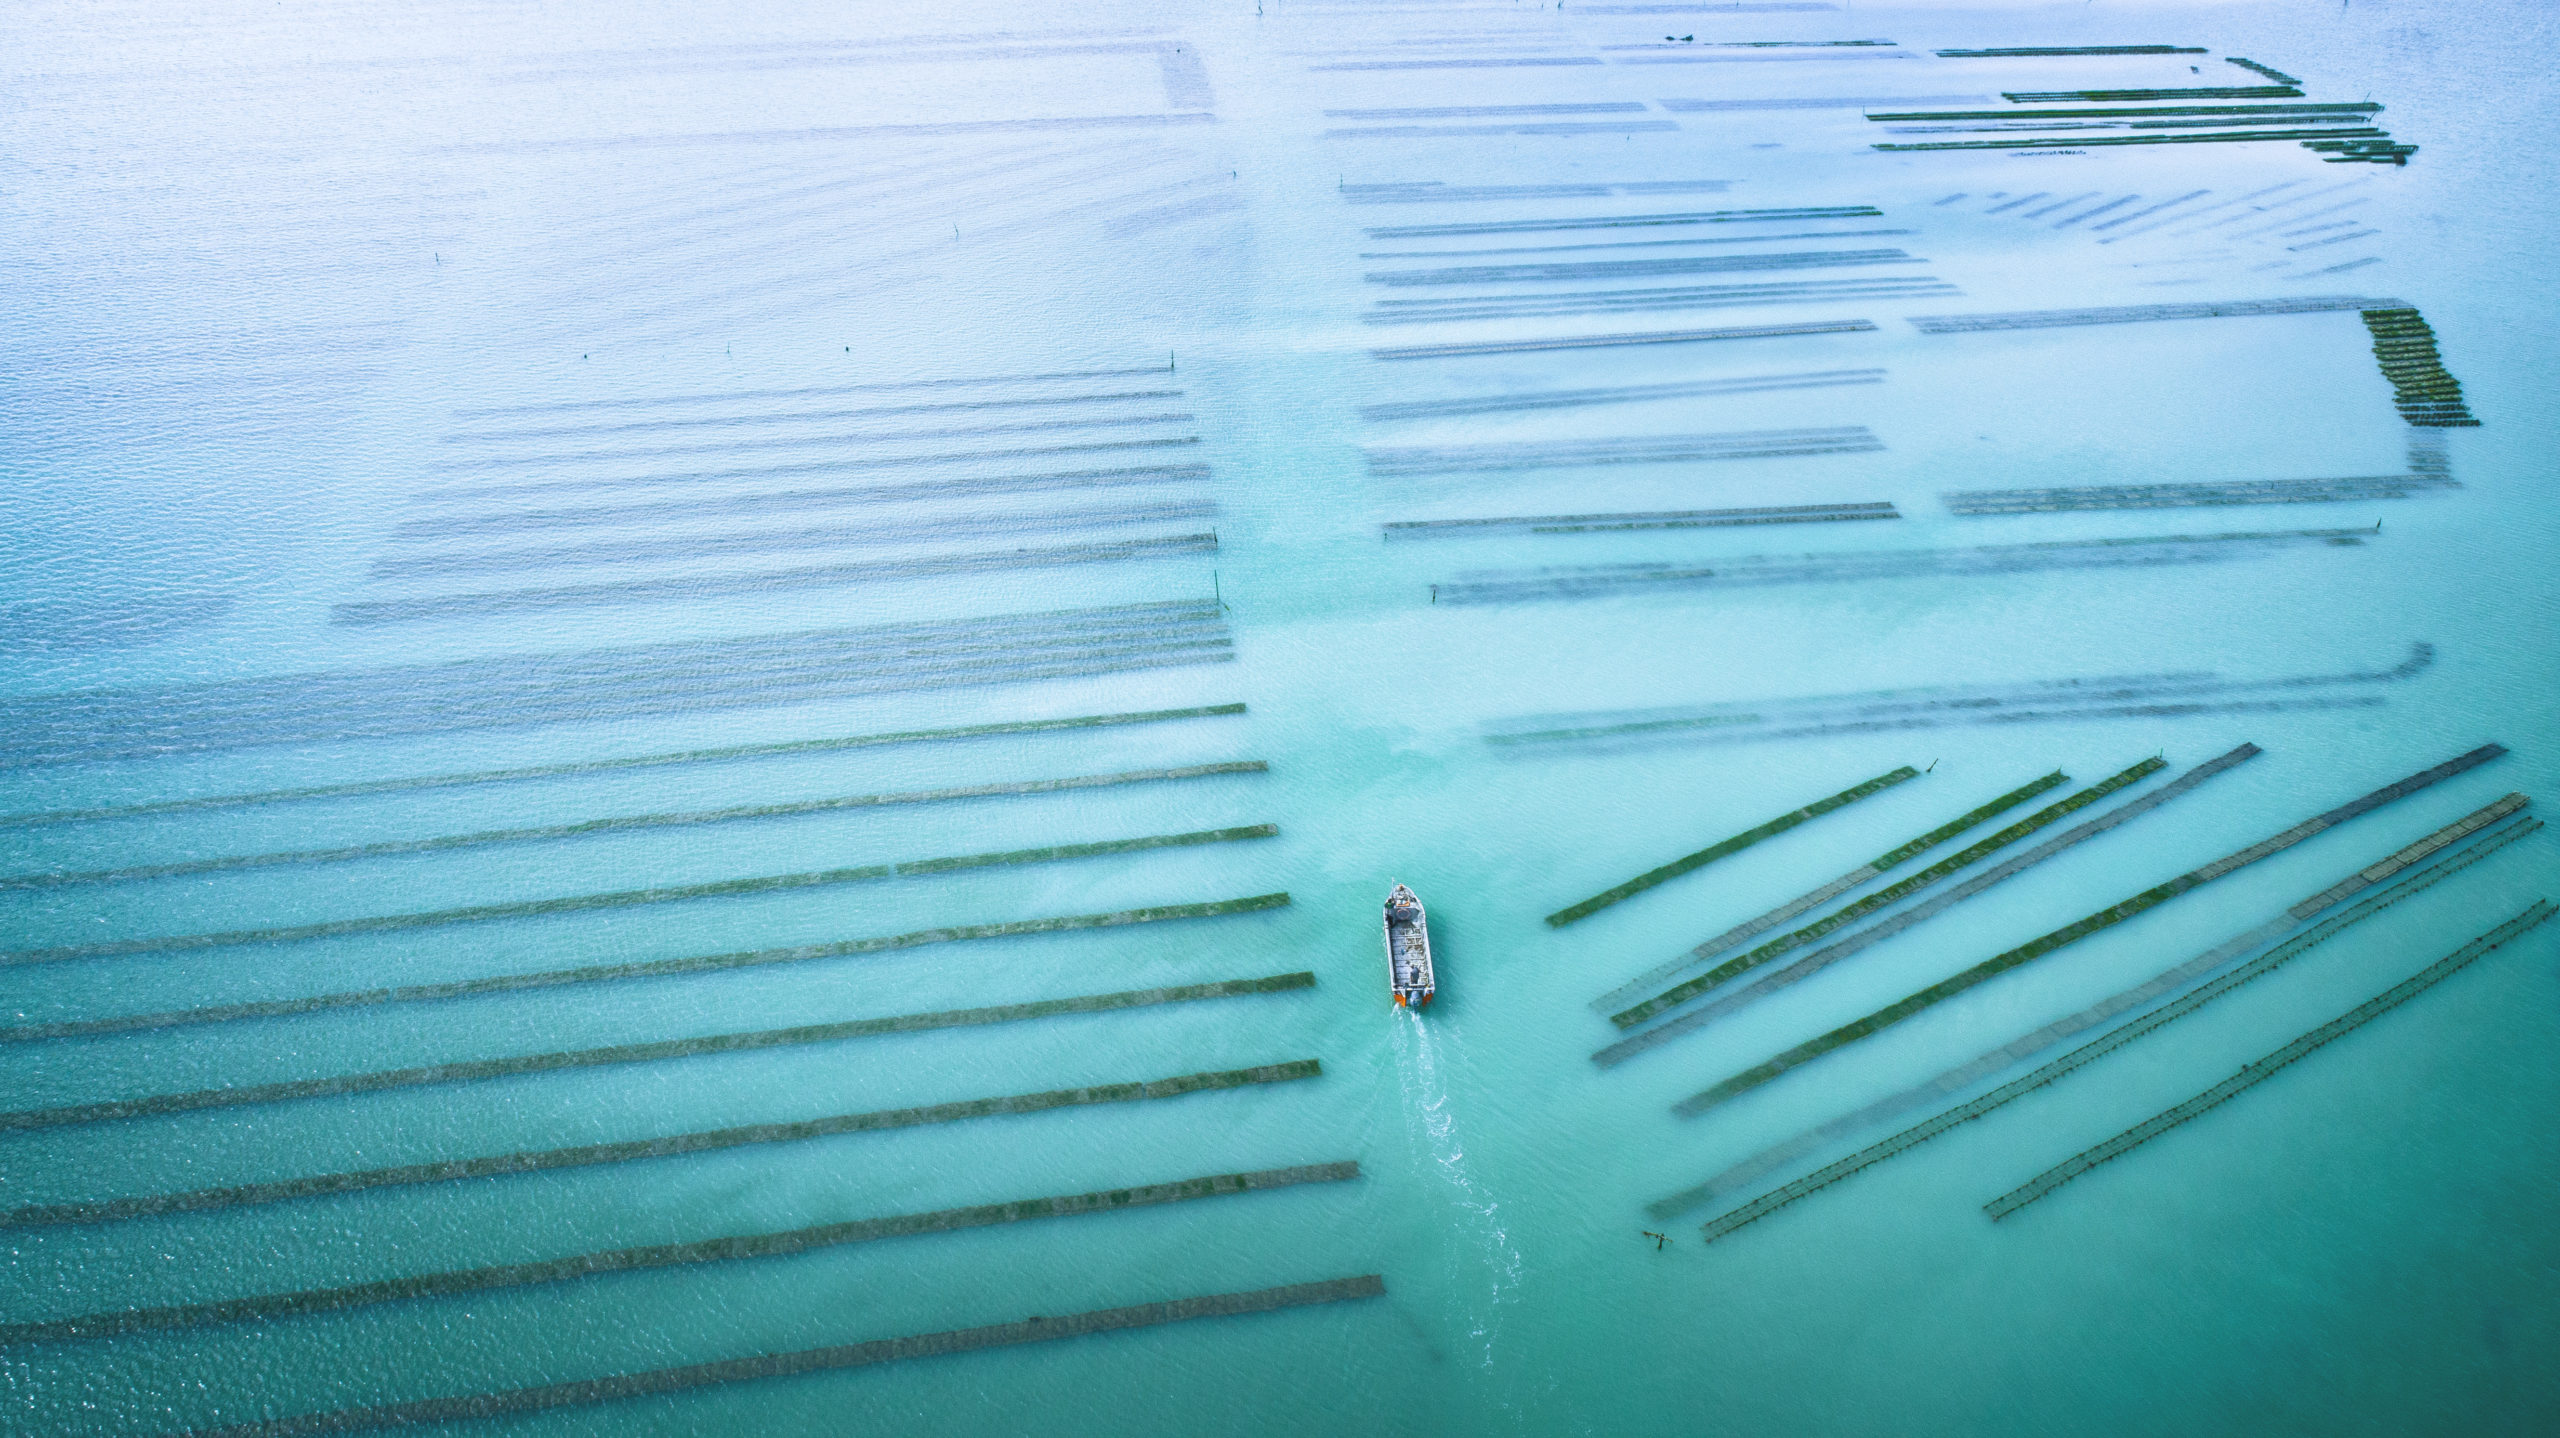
{"x": 552, "y": 435}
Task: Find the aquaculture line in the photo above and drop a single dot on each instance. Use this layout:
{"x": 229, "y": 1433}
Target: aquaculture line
{"x": 2251, "y": 1075}
{"x": 811, "y": 1360}
{"x": 1964, "y": 1075}
{"x": 2108, "y": 917}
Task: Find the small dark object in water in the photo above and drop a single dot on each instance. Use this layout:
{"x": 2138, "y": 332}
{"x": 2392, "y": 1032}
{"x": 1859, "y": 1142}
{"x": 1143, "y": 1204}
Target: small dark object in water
{"x": 1659, "y": 1239}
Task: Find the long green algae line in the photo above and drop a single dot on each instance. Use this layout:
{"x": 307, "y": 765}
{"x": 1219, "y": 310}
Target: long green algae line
{"x": 1850, "y": 913}
{"x": 666, "y": 1255}
{"x": 2251, "y": 1075}
{"x": 473, "y": 1070}
{"x": 600, "y": 766}
{"x": 2071, "y": 933}
{"x": 632, "y": 1150}
{"x": 624, "y": 823}
{"x": 1725, "y": 848}
{"x": 807, "y": 1360}
{"x": 628, "y": 898}
{"x": 1823, "y": 894}
{"x": 1885, "y": 928}
{"x": 1955, "y": 1080}
{"x": 642, "y": 969}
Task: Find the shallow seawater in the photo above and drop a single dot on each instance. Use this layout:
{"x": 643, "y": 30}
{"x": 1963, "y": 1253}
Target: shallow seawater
{"x": 474, "y": 473}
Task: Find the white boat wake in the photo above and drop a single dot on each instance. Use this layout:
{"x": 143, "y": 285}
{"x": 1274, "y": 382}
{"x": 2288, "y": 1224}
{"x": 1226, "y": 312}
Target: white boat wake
{"x": 1486, "y": 1268}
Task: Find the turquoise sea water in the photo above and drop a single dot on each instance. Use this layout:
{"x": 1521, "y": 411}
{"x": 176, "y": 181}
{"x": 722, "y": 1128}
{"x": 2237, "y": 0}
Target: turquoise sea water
{"x": 469, "y": 389}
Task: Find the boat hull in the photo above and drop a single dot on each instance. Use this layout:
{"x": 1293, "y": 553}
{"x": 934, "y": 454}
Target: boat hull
{"x": 1410, "y": 975}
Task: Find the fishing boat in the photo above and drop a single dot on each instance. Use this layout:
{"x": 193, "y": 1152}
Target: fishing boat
{"x": 1408, "y": 949}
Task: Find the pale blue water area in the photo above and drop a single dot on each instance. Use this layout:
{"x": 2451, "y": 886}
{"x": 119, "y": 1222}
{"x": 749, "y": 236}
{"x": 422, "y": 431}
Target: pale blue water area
{"x": 467, "y": 388}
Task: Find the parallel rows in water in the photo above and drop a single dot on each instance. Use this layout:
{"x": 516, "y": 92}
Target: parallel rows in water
{"x": 1883, "y": 929}
{"x": 1609, "y": 580}
{"x": 608, "y": 683}
{"x": 2263, "y": 1069}
{"x": 618, "y": 450}
{"x": 1815, "y": 1048}
{"x": 1936, "y": 706}
{"x": 815, "y": 1360}
{"x": 2397, "y": 882}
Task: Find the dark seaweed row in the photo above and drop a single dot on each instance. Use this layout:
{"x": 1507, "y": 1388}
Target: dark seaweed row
{"x": 1630, "y": 302}
{"x": 2253, "y": 1074}
{"x": 1620, "y": 222}
{"x": 2366, "y": 107}
{"x": 1822, "y": 958}
{"x": 725, "y": 1249}
{"x": 1625, "y": 394}
{"x": 758, "y": 418}
{"x": 1892, "y": 893}
{"x": 1653, "y": 337}
{"x": 2404, "y": 344}
{"x": 1635, "y": 449}
{"x": 1727, "y": 847}
{"x": 735, "y": 396}
{"x": 620, "y": 823}
{"x": 2278, "y": 76}
{"x": 1616, "y": 999}
{"x": 478, "y": 1070}
{"x": 2204, "y": 495}
{"x": 2133, "y": 314}
{"x": 811, "y": 1360}
{"x": 2068, "y": 934}
{"x": 2377, "y": 152}
{"x": 764, "y": 581}
{"x": 1436, "y": 192}
{"x": 1655, "y": 519}
{"x": 1601, "y": 581}
{"x": 2088, "y": 1053}
{"x": 2015, "y": 51}
{"x": 1517, "y": 127}
{"x": 639, "y": 969}
{"x": 2193, "y": 92}
{"x": 609, "y": 683}
{"x": 831, "y": 442}
{"x": 596, "y": 766}
{"x": 634, "y": 1150}
{"x": 2219, "y": 137}
{"x": 2285, "y": 933}
{"x": 1930, "y": 699}
{"x": 444, "y": 525}
{"x": 1429, "y": 305}
{"x": 1635, "y": 269}
{"x": 627, "y": 898}
{"x": 942, "y": 527}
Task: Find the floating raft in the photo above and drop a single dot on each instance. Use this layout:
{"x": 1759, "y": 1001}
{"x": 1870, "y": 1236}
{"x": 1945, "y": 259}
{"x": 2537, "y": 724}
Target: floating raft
{"x": 1876, "y": 933}
{"x": 476, "y": 1070}
{"x": 634, "y": 1150}
{"x": 2424, "y": 393}
{"x": 1955, "y": 1080}
{"x": 727, "y": 1248}
{"x": 641, "y": 969}
{"x": 724, "y": 754}
{"x": 1882, "y": 864}
{"x": 2136, "y": 314}
{"x": 2251, "y": 1075}
{"x": 1724, "y": 848}
{"x": 810, "y": 1360}
{"x": 628, "y": 898}
{"x": 624, "y": 823}
{"x": 2071, "y": 933}
{"x": 2009, "y": 52}
{"x": 2203, "y": 495}
{"x": 1650, "y": 519}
